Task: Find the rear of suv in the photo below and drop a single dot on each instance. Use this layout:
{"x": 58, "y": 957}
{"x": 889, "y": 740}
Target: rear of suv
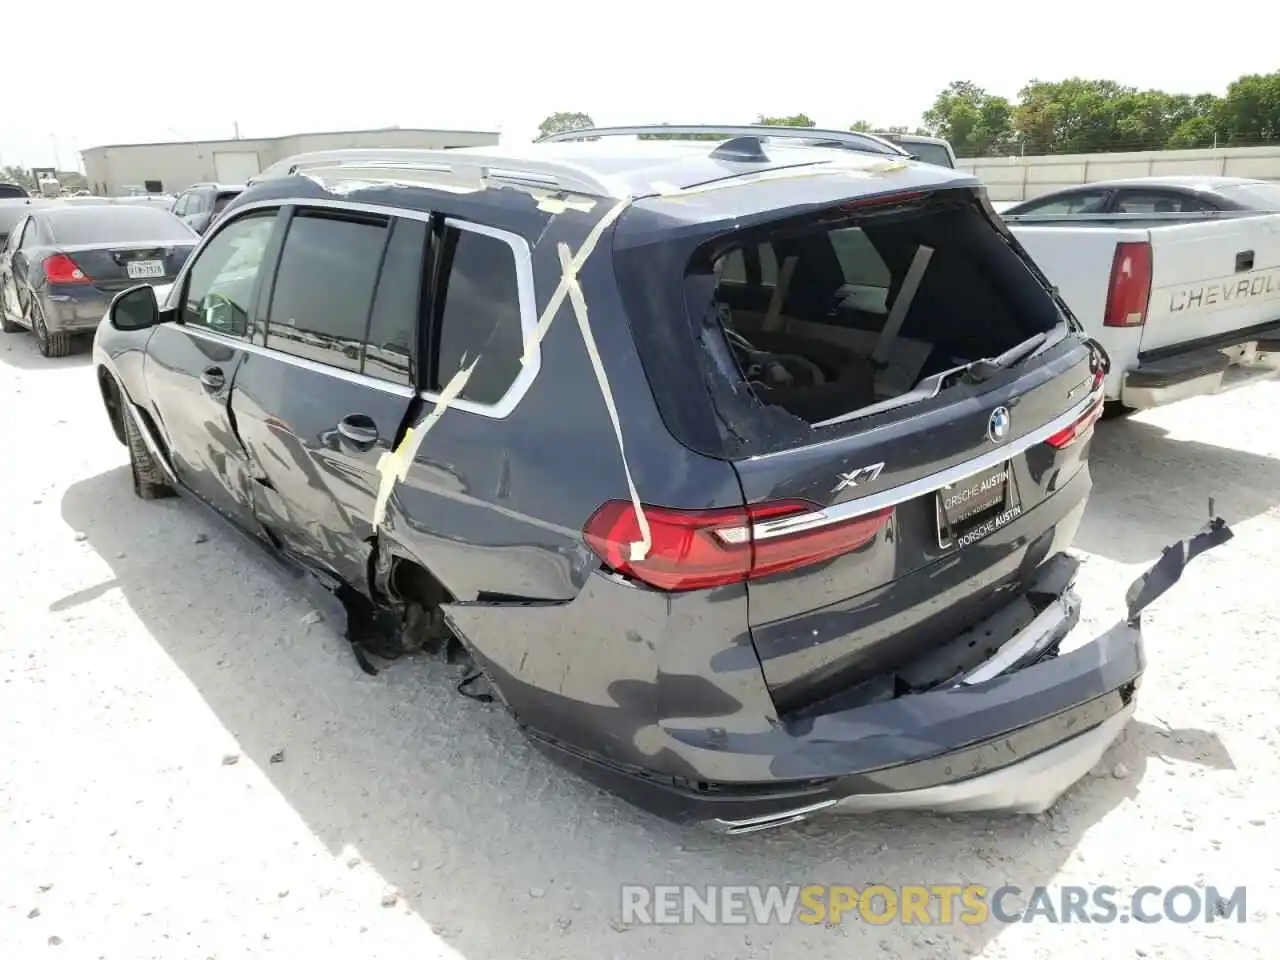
{"x": 743, "y": 476}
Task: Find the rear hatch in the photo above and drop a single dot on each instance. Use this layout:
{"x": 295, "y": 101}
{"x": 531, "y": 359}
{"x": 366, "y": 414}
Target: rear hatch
{"x": 940, "y": 399}
{"x": 119, "y": 266}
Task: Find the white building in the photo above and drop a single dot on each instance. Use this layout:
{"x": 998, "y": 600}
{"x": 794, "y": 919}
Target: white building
{"x": 170, "y": 167}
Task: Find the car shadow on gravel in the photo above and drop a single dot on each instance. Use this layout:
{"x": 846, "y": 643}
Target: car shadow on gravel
{"x": 499, "y": 850}
{"x": 19, "y": 350}
{"x": 1150, "y": 490}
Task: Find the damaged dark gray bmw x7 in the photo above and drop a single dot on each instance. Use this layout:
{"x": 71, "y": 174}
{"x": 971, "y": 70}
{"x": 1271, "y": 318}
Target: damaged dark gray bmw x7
{"x": 742, "y": 473}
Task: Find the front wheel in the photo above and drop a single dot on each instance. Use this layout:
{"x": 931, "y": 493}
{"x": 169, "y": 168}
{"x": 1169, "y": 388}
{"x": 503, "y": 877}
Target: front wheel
{"x": 149, "y": 480}
{"x": 51, "y": 344}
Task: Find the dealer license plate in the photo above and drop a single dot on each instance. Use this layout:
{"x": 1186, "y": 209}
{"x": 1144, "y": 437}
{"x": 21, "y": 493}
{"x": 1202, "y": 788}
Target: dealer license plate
{"x": 145, "y": 269}
{"x": 975, "y": 507}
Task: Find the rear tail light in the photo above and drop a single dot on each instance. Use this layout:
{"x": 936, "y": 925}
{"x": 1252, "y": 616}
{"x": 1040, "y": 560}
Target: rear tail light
{"x": 698, "y": 549}
{"x": 1069, "y": 435}
{"x": 1130, "y": 286}
{"x": 61, "y": 269}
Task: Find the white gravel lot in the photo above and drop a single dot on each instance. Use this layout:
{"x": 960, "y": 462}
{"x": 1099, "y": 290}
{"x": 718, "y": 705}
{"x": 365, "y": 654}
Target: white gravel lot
{"x": 142, "y": 645}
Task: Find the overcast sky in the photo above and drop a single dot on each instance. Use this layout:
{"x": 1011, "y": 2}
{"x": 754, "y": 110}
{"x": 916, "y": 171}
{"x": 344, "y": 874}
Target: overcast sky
{"x": 100, "y": 75}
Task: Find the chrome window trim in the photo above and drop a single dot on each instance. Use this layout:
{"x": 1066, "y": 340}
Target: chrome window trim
{"x": 361, "y": 379}
{"x": 524, "y": 284}
{"x": 902, "y": 493}
{"x": 528, "y": 326}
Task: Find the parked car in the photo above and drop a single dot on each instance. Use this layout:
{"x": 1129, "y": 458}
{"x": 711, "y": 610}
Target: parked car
{"x": 12, "y": 212}
{"x": 933, "y": 150}
{"x": 202, "y": 203}
{"x": 12, "y": 191}
{"x": 1177, "y": 277}
{"x": 743, "y": 472}
{"x": 62, "y": 264}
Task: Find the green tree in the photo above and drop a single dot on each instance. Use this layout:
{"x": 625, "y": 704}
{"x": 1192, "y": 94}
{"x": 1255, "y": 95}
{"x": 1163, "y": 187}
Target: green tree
{"x": 18, "y": 175}
{"x": 975, "y": 122}
{"x": 560, "y": 122}
{"x": 1250, "y": 112}
{"x": 861, "y": 126}
{"x": 795, "y": 120}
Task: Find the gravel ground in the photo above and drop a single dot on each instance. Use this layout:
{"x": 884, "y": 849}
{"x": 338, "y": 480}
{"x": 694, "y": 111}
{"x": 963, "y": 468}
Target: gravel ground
{"x": 154, "y": 664}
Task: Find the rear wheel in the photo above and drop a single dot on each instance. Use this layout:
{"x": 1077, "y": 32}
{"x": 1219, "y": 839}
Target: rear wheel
{"x": 6, "y": 325}
{"x": 51, "y": 344}
{"x": 149, "y": 480}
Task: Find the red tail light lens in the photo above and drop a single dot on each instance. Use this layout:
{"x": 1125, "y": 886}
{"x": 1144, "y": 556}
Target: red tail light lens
{"x": 1130, "y": 286}
{"x": 1066, "y": 437}
{"x": 61, "y": 269}
{"x": 698, "y": 549}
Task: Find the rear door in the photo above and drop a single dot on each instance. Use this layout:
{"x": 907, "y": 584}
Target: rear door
{"x": 325, "y": 398}
{"x": 1211, "y": 279}
{"x": 192, "y": 361}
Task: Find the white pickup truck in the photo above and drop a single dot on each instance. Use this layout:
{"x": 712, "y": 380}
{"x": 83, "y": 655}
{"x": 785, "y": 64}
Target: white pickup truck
{"x": 1184, "y": 303}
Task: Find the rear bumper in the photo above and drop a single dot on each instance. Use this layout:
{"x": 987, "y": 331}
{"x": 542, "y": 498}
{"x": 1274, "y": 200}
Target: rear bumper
{"x": 1011, "y": 735}
{"x": 75, "y": 314}
{"x": 1196, "y": 369}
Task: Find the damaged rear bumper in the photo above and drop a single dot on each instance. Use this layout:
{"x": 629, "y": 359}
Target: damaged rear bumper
{"x": 1011, "y": 735}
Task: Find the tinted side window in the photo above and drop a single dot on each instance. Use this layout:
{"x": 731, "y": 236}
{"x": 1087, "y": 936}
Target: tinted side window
{"x": 1158, "y": 201}
{"x": 220, "y": 284}
{"x": 480, "y": 320}
{"x": 393, "y": 329}
{"x": 324, "y": 288}
{"x": 1086, "y": 201}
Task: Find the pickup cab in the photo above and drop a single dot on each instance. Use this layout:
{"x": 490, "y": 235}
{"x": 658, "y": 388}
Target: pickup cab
{"x": 1185, "y": 304}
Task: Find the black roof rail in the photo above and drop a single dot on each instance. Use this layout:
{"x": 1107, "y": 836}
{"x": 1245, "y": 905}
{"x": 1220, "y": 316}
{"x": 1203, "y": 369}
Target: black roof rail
{"x": 846, "y": 139}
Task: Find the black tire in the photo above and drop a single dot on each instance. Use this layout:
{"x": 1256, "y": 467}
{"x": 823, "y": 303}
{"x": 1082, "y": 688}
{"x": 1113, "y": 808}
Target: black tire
{"x": 149, "y": 480}
{"x": 6, "y": 325}
{"x": 51, "y": 344}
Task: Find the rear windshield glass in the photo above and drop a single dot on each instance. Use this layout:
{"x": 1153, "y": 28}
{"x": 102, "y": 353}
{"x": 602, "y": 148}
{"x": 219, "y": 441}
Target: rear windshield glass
{"x": 1256, "y": 196}
{"x": 117, "y": 224}
{"x": 8, "y": 190}
{"x": 823, "y": 318}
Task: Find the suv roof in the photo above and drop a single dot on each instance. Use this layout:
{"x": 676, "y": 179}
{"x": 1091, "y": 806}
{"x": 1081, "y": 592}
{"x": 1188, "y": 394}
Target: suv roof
{"x": 627, "y": 169}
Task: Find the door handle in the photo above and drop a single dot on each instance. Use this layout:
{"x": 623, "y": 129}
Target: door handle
{"x": 1244, "y": 261}
{"x": 213, "y": 378}
{"x": 358, "y": 430}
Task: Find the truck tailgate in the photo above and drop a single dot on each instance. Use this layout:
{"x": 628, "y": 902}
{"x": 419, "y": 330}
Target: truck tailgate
{"x": 1212, "y": 278}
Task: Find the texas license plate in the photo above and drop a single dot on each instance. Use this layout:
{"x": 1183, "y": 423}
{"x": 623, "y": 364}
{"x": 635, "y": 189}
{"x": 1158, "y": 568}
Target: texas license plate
{"x": 975, "y": 507}
{"x": 145, "y": 269}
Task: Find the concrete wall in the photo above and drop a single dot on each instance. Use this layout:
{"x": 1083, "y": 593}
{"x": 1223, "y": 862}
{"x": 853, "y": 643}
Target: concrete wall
{"x": 178, "y": 165}
{"x": 1023, "y": 178}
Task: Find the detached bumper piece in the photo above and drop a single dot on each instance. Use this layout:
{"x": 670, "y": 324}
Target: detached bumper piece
{"x": 1027, "y": 768}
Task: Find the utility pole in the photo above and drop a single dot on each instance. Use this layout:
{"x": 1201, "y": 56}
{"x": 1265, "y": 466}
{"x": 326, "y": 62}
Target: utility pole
{"x": 57, "y": 164}
{"x": 235, "y": 125}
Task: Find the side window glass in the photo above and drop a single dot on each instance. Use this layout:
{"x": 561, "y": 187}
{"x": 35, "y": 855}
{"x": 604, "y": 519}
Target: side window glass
{"x": 481, "y": 317}
{"x": 1091, "y": 201}
{"x": 220, "y": 283}
{"x": 860, "y": 263}
{"x": 1148, "y": 201}
{"x": 733, "y": 267}
{"x": 324, "y": 288}
{"x": 180, "y": 208}
{"x": 393, "y": 329}
{"x": 768, "y": 266}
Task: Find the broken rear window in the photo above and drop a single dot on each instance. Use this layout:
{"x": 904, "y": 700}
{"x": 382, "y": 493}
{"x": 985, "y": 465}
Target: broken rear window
{"x": 827, "y": 315}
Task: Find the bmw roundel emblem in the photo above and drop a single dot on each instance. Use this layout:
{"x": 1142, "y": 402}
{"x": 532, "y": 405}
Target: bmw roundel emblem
{"x": 998, "y": 425}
